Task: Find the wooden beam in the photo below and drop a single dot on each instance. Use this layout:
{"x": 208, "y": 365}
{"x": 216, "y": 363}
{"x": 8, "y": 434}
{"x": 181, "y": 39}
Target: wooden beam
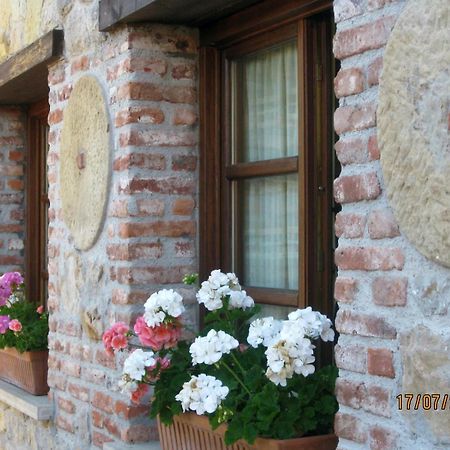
{"x": 24, "y": 75}
{"x": 187, "y": 12}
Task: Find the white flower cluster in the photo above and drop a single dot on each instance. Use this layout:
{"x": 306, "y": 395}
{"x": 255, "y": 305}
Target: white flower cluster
{"x": 220, "y": 285}
{"x": 210, "y": 348}
{"x": 288, "y": 342}
{"x": 202, "y": 394}
{"x": 163, "y": 303}
{"x": 134, "y": 369}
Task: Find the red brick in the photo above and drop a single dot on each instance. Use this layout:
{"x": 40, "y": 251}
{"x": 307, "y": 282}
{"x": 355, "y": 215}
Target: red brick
{"x": 374, "y": 71}
{"x": 351, "y": 357}
{"x": 10, "y": 260}
{"x": 372, "y": 147}
{"x": 128, "y": 252}
{"x": 17, "y": 214}
{"x": 65, "y": 424}
{"x": 153, "y": 161}
{"x": 345, "y": 289}
{"x": 138, "y": 433}
{"x": 15, "y": 185}
{"x": 351, "y": 151}
{"x": 119, "y": 208}
{"x": 184, "y": 250}
{"x": 362, "y": 38}
{"x": 103, "y": 401}
{"x": 380, "y": 362}
{"x": 147, "y": 65}
{"x": 121, "y": 297}
{"x": 111, "y": 426}
{"x": 354, "y": 118}
{"x": 150, "y": 138}
{"x": 182, "y": 228}
{"x": 184, "y": 162}
{"x": 9, "y": 199}
{"x": 354, "y": 188}
{"x": 349, "y": 393}
{"x": 184, "y": 116}
{"x": 389, "y": 291}
{"x": 150, "y": 116}
{"x": 97, "y": 418}
{"x": 55, "y": 117}
{"x": 377, "y": 401}
{"x": 382, "y": 438}
{"x": 348, "y": 322}
{"x": 349, "y": 225}
{"x": 11, "y": 170}
{"x": 150, "y": 207}
{"x": 167, "y": 185}
{"x": 104, "y": 359}
{"x": 187, "y": 71}
{"x": 149, "y": 275}
{"x": 157, "y": 93}
{"x": 15, "y": 155}
{"x": 78, "y": 392}
{"x": 369, "y": 258}
{"x": 348, "y": 82}
{"x": 130, "y": 411}
{"x": 98, "y": 439}
{"x": 11, "y": 228}
{"x": 64, "y": 93}
{"x": 183, "y": 206}
{"x": 66, "y": 405}
{"x": 56, "y": 76}
{"x": 382, "y": 224}
{"x": 80, "y": 64}
{"x": 345, "y": 9}
{"x": 350, "y": 427}
{"x": 57, "y": 381}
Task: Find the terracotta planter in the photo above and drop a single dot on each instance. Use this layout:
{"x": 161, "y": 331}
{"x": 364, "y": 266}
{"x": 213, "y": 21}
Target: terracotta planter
{"x": 26, "y": 370}
{"x": 193, "y": 432}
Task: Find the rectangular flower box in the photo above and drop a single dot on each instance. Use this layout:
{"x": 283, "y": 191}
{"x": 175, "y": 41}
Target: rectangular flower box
{"x": 26, "y": 370}
{"x": 193, "y": 432}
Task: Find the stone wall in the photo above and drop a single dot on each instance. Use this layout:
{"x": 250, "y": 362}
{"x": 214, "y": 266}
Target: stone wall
{"x": 393, "y": 314}
{"x": 12, "y": 199}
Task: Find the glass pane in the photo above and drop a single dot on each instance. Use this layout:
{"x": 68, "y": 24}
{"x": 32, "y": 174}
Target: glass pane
{"x": 267, "y": 231}
{"x": 265, "y": 104}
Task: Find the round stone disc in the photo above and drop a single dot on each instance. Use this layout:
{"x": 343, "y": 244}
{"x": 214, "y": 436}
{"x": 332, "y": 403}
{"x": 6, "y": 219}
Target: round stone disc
{"x": 85, "y": 162}
{"x": 413, "y": 125}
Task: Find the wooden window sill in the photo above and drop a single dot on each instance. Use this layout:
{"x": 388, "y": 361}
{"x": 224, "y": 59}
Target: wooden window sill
{"x": 37, "y": 407}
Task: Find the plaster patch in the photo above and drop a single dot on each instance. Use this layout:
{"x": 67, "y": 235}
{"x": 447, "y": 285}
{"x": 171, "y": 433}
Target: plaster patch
{"x": 413, "y": 125}
{"x": 426, "y": 369}
{"x": 85, "y": 162}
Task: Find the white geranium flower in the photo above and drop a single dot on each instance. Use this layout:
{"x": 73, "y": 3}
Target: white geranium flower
{"x": 326, "y": 332}
{"x": 210, "y": 348}
{"x": 202, "y": 394}
{"x": 263, "y": 331}
{"x": 286, "y": 357}
{"x": 135, "y": 365}
{"x": 127, "y": 386}
{"x": 308, "y": 320}
{"x": 240, "y": 299}
{"x": 161, "y": 304}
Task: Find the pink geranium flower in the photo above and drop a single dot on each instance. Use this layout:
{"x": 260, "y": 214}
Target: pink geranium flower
{"x": 11, "y": 279}
{"x": 165, "y": 335}
{"x": 116, "y": 337}
{"x": 15, "y": 325}
{"x": 40, "y": 309}
{"x": 4, "y": 324}
{"x": 137, "y": 395}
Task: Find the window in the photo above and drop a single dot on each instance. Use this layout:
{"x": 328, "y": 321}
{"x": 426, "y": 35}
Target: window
{"x": 267, "y": 152}
{"x": 37, "y": 203}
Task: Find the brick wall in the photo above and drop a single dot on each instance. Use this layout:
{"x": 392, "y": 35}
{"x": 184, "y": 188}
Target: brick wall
{"x": 12, "y": 201}
{"x": 149, "y": 77}
{"x": 382, "y": 283}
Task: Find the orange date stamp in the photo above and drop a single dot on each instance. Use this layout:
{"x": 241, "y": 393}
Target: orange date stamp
{"x": 427, "y": 402}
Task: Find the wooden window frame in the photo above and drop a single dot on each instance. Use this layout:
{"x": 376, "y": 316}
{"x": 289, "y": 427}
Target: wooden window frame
{"x": 36, "y": 272}
{"x": 258, "y": 27}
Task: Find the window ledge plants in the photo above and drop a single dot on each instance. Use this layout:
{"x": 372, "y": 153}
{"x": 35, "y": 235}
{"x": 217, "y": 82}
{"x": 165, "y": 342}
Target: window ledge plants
{"x": 23, "y": 337}
{"x": 254, "y": 379}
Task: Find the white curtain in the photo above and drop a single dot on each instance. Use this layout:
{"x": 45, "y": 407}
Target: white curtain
{"x": 268, "y": 121}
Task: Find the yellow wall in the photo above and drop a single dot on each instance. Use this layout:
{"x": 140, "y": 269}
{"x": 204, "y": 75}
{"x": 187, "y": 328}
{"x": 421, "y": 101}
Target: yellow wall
{"x": 22, "y": 22}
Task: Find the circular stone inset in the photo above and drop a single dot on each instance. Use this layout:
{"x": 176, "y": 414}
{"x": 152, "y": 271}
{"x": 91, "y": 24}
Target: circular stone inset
{"x": 413, "y": 125}
{"x": 85, "y": 162}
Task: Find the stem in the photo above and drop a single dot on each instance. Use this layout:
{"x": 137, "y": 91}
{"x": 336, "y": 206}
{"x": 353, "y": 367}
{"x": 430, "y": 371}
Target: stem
{"x": 236, "y": 377}
{"x": 237, "y": 363}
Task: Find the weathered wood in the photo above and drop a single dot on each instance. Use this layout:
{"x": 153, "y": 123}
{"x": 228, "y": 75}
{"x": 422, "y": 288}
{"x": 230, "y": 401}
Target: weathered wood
{"x": 24, "y": 76}
{"x": 188, "y": 12}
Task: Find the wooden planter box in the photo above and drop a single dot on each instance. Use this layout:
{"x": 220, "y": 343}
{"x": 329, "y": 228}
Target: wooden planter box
{"x": 193, "y": 432}
{"x": 26, "y": 370}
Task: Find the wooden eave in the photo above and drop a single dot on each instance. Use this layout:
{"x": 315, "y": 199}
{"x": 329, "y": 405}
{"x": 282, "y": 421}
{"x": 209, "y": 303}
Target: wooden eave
{"x": 24, "y": 75}
{"x": 186, "y": 12}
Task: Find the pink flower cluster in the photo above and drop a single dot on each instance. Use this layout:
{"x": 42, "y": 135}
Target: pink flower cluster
{"x": 164, "y": 335}
{"x": 9, "y": 281}
{"x": 15, "y": 326}
{"x": 116, "y": 337}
